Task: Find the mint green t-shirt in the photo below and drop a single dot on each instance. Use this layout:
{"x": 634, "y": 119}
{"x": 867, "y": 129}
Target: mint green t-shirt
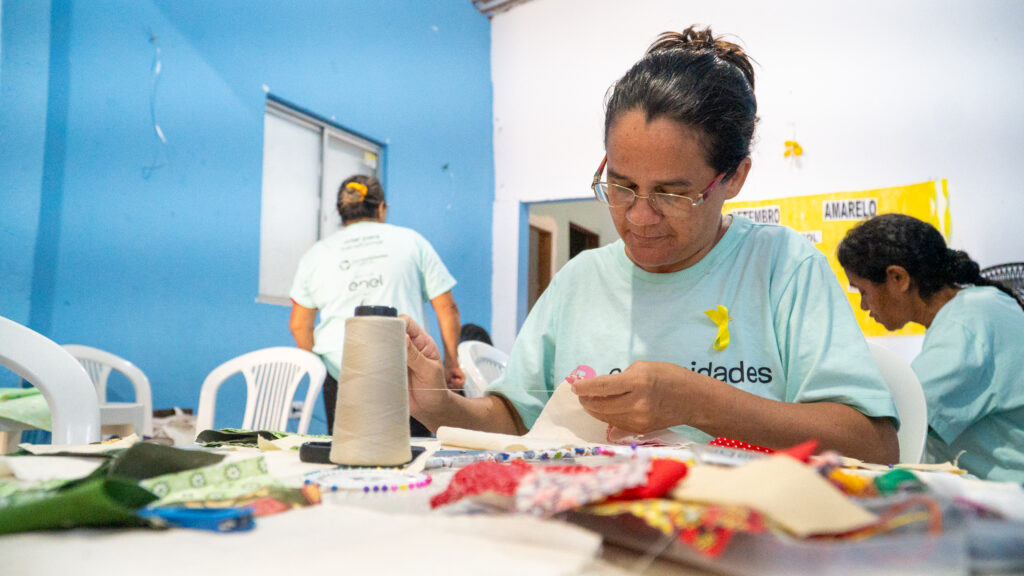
{"x": 369, "y": 263}
{"x": 971, "y": 367}
{"x": 793, "y": 336}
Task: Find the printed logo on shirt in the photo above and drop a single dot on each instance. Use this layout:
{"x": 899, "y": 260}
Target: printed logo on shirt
{"x": 360, "y": 241}
{"x": 733, "y": 375}
{"x": 367, "y": 283}
{"x": 347, "y": 264}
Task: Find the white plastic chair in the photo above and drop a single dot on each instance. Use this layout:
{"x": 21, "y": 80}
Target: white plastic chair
{"x": 482, "y": 364}
{"x": 70, "y": 395}
{"x": 272, "y": 376}
{"x": 908, "y": 396}
{"x": 99, "y": 364}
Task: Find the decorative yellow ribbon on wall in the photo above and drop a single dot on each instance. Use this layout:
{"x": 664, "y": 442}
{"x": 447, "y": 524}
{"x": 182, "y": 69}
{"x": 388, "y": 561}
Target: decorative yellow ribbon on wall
{"x": 720, "y": 317}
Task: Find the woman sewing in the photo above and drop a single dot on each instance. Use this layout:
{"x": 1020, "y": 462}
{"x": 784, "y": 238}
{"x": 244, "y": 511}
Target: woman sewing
{"x": 971, "y": 364}
{"x": 697, "y": 321}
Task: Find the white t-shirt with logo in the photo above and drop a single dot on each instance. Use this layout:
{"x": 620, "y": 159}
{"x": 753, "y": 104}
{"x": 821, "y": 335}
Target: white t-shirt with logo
{"x": 366, "y": 263}
{"x": 793, "y": 335}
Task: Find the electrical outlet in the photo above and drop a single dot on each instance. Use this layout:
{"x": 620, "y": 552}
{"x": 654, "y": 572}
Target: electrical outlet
{"x": 296, "y": 412}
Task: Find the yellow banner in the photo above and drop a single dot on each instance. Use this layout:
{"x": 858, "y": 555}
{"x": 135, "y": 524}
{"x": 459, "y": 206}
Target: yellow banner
{"x": 824, "y": 219}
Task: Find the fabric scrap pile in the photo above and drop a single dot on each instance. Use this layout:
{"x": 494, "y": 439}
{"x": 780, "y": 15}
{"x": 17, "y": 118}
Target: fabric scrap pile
{"x": 150, "y": 485}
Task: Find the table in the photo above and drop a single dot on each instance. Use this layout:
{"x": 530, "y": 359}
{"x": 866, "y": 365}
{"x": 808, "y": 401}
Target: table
{"x": 358, "y": 534}
{"x": 362, "y": 534}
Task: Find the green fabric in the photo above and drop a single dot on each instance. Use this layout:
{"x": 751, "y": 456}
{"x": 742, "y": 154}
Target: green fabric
{"x": 146, "y": 460}
{"x": 235, "y": 437}
{"x": 92, "y": 502}
{"x": 10, "y": 487}
{"x": 220, "y": 482}
{"x": 238, "y": 437}
{"x": 14, "y": 393}
{"x": 895, "y": 480}
{"x": 25, "y": 405}
{"x": 107, "y": 497}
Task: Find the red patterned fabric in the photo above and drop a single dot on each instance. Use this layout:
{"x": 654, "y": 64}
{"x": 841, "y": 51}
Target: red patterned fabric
{"x": 739, "y": 445}
{"x": 548, "y": 491}
{"x": 483, "y": 477}
{"x": 664, "y": 474}
{"x": 801, "y": 452}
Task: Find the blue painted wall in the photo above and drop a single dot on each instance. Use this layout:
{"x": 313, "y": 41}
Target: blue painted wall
{"x": 23, "y": 95}
{"x": 150, "y": 250}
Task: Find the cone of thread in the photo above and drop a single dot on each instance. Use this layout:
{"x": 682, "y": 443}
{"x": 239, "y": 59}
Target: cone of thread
{"x": 371, "y": 422}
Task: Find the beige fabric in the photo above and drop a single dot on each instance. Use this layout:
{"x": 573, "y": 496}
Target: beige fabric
{"x": 286, "y": 443}
{"x": 792, "y": 494}
{"x": 561, "y": 424}
{"x": 921, "y": 467}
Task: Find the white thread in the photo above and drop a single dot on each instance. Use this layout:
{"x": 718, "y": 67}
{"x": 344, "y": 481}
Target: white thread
{"x": 371, "y": 422}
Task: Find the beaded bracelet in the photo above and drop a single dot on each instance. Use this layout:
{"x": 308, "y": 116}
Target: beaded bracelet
{"x": 368, "y": 480}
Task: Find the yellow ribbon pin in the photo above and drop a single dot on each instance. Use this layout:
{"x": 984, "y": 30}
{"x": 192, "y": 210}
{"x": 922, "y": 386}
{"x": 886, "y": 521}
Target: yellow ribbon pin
{"x": 792, "y": 148}
{"x": 720, "y": 317}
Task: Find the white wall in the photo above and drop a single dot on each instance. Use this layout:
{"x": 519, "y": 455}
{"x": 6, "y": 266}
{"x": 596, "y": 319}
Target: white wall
{"x": 877, "y": 92}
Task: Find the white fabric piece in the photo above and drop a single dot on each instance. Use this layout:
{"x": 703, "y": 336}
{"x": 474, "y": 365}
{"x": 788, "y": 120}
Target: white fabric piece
{"x": 42, "y": 468}
{"x": 1007, "y": 498}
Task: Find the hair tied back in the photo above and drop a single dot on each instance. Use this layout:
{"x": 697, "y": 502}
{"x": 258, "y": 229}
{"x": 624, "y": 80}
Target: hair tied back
{"x": 361, "y": 188}
{"x": 689, "y": 39}
{"x": 353, "y": 193}
{"x": 696, "y": 39}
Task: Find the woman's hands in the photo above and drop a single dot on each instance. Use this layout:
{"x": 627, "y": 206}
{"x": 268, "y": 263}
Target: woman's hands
{"x": 645, "y": 397}
{"x": 453, "y": 375}
{"x": 650, "y": 396}
{"x": 434, "y": 405}
{"x": 428, "y": 392}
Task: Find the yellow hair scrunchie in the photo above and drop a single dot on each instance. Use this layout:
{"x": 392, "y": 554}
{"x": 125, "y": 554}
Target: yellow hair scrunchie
{"x": 361, "y": 188}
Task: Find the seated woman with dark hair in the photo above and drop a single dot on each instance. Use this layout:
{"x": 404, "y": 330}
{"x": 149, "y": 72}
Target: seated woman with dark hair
{"x": 694, "y": 320}
{"x": 972, "y": 361}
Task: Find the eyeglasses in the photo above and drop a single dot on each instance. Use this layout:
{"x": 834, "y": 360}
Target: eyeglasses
{"x": 668, "y": 204}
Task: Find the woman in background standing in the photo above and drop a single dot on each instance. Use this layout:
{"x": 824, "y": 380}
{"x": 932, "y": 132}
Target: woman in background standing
{"x": 373, "y": 263}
